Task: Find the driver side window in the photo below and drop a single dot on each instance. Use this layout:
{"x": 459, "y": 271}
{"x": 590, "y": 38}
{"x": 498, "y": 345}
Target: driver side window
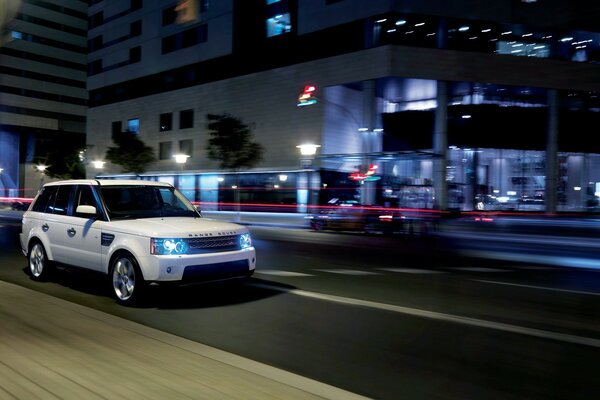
{"x": 84, "y": 197}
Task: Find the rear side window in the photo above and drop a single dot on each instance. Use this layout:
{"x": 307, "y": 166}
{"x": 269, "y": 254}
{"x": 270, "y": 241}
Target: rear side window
{"x": 45, "y": 198}
{"x": 61, "y": 204}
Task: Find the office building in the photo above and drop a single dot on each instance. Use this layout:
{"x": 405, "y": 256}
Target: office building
{"x": 422, "y": 104}
{"x": 43, "y": 95}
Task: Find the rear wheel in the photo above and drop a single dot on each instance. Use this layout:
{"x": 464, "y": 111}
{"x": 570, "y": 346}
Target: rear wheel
{"x": 127, "y": 280}
{"x": 39, "y": 265}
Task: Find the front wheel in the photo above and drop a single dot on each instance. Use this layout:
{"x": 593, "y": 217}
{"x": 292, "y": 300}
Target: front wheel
{"x": 39, "y": 265}
{"x": 127, "y": 280}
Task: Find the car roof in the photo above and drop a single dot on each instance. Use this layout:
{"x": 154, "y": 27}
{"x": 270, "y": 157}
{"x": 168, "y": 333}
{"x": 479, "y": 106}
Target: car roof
{"x": 108, "y": 182}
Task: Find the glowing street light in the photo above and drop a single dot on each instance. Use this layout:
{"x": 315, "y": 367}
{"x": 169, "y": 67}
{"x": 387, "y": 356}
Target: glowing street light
{"x": 181, "y": 158}
{"x": 98, "y": 164}
{"x": 308, "y": 149}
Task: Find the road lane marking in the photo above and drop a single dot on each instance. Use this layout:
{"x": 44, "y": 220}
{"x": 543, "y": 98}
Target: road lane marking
{"x": 412, "y": 270}
{"x": 479, "y": 269}
{"x": 438, "y": 316}
{"x": 539, "y": 287}
{"x": 280, "y": 273}
{"x": 574, "y": 262}
{"x": 348, "y": 272}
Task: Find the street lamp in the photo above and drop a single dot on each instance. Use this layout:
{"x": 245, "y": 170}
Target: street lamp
{"x": 307, "y": 151}
{"x": 181, "y": 158}
{"x": 98, "y": 164}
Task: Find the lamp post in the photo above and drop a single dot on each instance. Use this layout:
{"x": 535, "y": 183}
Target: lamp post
{"x": 307, "y": 181}
{"x": 41, "y": 168}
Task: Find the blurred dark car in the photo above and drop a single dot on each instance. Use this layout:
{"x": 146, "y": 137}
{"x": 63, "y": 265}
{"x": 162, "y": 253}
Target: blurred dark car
{"x": 349, "y": 215}
{"x": 19, "y": 206}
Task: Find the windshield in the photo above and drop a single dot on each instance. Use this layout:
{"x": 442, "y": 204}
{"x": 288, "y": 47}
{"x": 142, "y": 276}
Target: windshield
{"x": 133, "y": 202}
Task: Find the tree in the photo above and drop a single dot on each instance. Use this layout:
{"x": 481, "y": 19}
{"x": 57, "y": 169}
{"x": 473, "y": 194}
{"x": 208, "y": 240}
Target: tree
{"x": 231, "y": 143}
{"x": 130, "y": 152}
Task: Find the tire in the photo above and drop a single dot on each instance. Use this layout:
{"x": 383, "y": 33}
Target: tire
{"x": 126, "y": 279}
{"x": 39, "y": 266}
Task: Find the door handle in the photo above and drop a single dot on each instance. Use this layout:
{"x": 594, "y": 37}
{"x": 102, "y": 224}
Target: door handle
{"x": 71, "y": 232}
{"x": 45, "y": 227}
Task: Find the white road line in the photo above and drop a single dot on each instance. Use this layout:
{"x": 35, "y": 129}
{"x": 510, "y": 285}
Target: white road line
{"x": 280, "y": 273}
{"x": 412, "y": 270}
{"x": 438, "y": 316}
{"x": 539, "y": 287}
{"x": 479, "y": 269}
{"x": 539, "y": 259}
{"x": 347, "y": 272}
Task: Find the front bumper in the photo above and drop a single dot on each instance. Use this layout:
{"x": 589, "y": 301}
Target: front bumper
{"x": 198, "y": 267}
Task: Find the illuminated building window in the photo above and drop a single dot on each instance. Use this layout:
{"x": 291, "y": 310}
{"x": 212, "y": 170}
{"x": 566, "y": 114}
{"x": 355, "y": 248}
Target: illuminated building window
{"x": 278, "y": 25}
{"x": 273, "y": 1}
{"x": 133, "y": 125}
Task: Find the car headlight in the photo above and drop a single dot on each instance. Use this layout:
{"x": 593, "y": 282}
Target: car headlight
{"x": 168, "y": 246}
{"x": 245, "y": 241}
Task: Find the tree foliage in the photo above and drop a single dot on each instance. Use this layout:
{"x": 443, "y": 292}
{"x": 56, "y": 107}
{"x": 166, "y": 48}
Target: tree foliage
{"x": 130, "y": 152}
{"x": 231, "y": 143}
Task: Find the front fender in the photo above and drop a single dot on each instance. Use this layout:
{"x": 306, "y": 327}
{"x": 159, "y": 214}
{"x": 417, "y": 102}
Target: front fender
{"x": 138, "y": 246}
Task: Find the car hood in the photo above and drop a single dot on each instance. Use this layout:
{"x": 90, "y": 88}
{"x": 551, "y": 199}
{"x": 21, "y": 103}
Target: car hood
{"x": 176, "y": 227}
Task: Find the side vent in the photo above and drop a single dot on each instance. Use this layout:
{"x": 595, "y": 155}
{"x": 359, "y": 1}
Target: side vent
{"x": 107, "y": 239}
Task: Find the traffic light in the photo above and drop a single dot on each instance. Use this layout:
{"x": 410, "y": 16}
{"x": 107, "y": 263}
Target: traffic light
{"x": 307, "y": 97}
{"x": 186, "y": 11}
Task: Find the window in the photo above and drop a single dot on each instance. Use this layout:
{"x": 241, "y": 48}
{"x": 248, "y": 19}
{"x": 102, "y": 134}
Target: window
{"x": 135, "y": 5}
{"x": 95, "y": 43}
{"x": 186, "y": 147}
{"x": 278, "y": 25}
{"x": 166, "y": 122}
{"x": 135, "y": 54}
{"x": 169, "y": 16}
{"x": 204, "y": 5}
{"x": 135, "y": 28}
{"x": 328, "y": 2}
{"x": 45, "y": 198}
{"x": 96, "y": 20}
{"x": 117, "y": 127}
{"x": 165, "y": 150}
{"x": 187, "y": 38}
{"x": 273, "y": 1}
{"x": 133, "y": 125}
{"x": 61, "y": 204}
{"x": 186, "y": 119}
{"x": 95, "y": 67}
{"x": 84, "y": 197}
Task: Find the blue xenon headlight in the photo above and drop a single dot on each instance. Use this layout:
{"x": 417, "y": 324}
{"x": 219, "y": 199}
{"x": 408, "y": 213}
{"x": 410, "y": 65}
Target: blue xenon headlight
{"x": 168, "y": 246}
{"x": 245, "y": 241}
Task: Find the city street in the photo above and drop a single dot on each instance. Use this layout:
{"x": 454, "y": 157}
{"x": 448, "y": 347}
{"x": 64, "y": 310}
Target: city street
{"x": 383, "y": 317}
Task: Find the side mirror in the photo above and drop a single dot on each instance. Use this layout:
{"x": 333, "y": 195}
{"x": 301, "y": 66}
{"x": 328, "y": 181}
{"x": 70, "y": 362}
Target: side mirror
{"x": 87, "y": 211}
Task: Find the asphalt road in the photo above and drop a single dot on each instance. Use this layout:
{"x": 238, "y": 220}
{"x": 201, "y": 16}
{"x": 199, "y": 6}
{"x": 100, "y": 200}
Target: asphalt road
{"x": 385, "y": 317}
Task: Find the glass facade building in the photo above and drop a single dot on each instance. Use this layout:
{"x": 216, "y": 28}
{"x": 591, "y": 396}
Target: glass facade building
{"x": 417, "y": 104}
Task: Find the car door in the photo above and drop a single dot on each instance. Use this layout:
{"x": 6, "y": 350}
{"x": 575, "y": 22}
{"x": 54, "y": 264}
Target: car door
{"x": 82, "y": 232}
{"x": 55, "y": 224}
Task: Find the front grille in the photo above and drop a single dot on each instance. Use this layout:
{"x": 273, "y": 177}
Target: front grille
{"x": 214, "y": 244}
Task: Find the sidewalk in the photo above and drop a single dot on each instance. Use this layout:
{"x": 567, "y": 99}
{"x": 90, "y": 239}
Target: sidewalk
{"x": 54, "y": 349}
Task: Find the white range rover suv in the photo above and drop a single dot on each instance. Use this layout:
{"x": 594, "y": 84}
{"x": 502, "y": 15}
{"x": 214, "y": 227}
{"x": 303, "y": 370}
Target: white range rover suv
{"x": 134, "y": 231}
